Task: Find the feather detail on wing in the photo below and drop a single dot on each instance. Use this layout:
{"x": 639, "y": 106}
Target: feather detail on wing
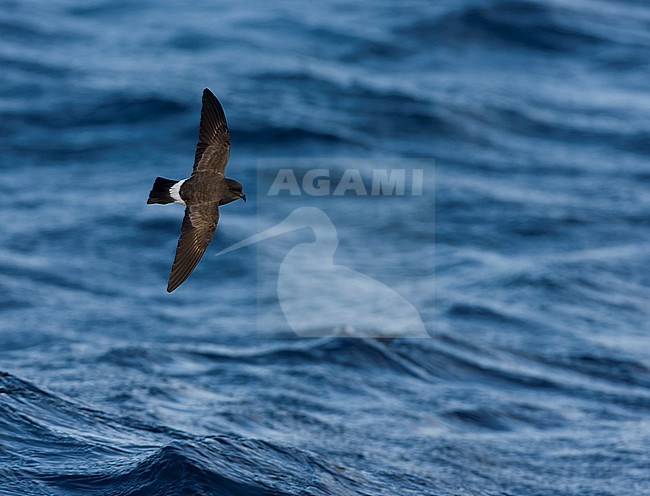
{"x": 198, "y": 227}
{"x": 213, "y": 148}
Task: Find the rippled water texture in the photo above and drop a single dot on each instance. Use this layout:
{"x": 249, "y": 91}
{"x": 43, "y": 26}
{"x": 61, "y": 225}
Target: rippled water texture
{"x": 536, "y": 378}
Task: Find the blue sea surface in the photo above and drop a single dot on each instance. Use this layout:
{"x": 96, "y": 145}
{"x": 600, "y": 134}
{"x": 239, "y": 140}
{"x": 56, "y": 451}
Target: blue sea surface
{"x": 536, "y": 377}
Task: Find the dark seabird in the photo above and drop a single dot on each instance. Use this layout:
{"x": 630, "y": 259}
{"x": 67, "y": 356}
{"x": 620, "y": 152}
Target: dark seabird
{"x": 202, "y": 192}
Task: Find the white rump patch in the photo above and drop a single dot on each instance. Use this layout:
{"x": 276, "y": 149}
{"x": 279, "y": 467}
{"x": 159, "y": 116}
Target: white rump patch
{"x": 175, "y": 192}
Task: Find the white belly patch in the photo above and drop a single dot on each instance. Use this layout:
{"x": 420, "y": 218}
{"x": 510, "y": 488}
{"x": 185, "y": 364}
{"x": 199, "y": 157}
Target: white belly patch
{"x": 175, "y": 192}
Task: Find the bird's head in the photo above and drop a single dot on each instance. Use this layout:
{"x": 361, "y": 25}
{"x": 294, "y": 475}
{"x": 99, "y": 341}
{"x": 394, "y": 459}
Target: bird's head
{"x": 236, "y": 189}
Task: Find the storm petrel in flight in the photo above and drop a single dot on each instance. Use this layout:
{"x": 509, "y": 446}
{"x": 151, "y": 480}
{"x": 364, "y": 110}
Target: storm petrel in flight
{"x": 202, "y": 192}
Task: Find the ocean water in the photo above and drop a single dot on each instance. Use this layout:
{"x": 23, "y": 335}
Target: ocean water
{"x": 532, "y": 283}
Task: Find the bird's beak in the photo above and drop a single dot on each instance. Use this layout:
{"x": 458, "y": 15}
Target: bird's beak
{"x": 243, "y": 197}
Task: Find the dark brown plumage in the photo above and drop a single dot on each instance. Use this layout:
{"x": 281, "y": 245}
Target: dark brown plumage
{"x": 202, "y": 192}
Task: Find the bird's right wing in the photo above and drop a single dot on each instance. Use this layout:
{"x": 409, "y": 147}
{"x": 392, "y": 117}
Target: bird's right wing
{"x": 213, "y": 148}
{"x": 199, "y": 224}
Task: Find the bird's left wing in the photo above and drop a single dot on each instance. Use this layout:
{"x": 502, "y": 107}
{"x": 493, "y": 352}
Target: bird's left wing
{"x": 199, "y": 224}
{"x": 213, "y": 148}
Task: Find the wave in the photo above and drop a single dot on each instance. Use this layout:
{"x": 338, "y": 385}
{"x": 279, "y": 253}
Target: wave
{"x": 506, "y": 418}
{"x": 610, "y": 368}
{"x": 366, "y": 356}
{"x": 195, "y": 468}
{"x": 99, "y": 452}
{"x": 530, "y": 24}
{"x": 224, "y": 465}
{"x": 116, "y": 109}
{"x": 277, "y": 135}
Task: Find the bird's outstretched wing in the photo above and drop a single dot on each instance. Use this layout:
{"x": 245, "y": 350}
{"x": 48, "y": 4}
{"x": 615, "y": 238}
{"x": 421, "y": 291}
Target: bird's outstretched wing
{"x": 196, "y": 232}
{"x": 213, "y": 148}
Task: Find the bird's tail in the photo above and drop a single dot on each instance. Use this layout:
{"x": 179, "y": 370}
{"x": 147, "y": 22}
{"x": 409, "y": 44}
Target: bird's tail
{"x": 160, "y": 192}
